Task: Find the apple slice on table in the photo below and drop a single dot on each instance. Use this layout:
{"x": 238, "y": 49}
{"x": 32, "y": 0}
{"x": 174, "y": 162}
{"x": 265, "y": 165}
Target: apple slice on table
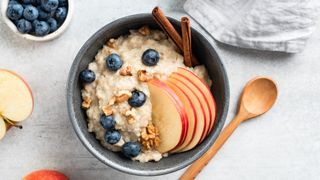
{"x": 200, "y": 113}
{"x": 201, "y": 97}
{"x": 168, "y": 115}
{"x": 198, "y": 82}
{"x": 45, "y": 175}
{"x": 16, "y": 97}
{"x": 191, "y": 113}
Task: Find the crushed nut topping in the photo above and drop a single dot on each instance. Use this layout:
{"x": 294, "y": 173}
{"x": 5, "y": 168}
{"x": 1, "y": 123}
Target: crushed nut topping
{"x": 149, "y": 137}
{"x": 131, "y": 120}
{"x": 144, "y": 76}
{"x": 107, "y": 110}
{"x": 86, "y": 102}
{"x": 145, "y": 30}
{"x": 122, "y": 98}
{"x": 126, "y": 71}
{"x": 112, "y": 101}
{"x": 112, "y": 43}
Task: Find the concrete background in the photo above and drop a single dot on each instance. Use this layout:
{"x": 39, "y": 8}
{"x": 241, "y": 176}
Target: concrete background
{"x": 282, "y": 144}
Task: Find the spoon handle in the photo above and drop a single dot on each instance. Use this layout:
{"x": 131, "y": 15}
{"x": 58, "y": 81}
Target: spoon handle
{"x": 199, "y": 164}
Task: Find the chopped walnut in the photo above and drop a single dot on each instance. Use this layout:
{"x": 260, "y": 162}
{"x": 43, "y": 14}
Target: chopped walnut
{"x": 131, "y": 120}
{"x": 122, "y": 98}
{"x": 86, "y": 102}
{"x": 144, "y": 76}
{"x": 107, "y": 110}
{"x": 112, "y": 101}
{"x": 126, "y": 71}
{"x": 112, "y": 43}
{"x": 145, "y": 30}
{"x": 149, "y": 137}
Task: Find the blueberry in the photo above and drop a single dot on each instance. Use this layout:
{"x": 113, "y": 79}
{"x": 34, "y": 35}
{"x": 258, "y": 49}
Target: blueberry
{"x": 112, "y": 137}
{"x": 137, "y": 99}
{"x": 44, "y": 15}
{"x": 63, "y": 3}
{"x": 107, "y": 122}
{"x": 150, "y": 57}
{"x": 61, "y": 14}
{"x": 24, "y": 26}
{"x": 113, "y": 62}
{"x": 131, "y": 149}
{"x": 53, "y": 24}
{"x": 14, "y": 11}
{"x": 87, "y": 76}
{"x": 27, "y": 1}
{"x": 30, "y": 13}
{"x": 49, "y": 5}
{"x": 11, "y": 2}
{"x": 41, "y": 28}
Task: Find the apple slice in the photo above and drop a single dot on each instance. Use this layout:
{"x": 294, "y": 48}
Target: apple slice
{"x": 201, "y": 121}
{"x": 3, "y": 128}
{"x": 45, "y": 175}
{"x": 168, "y": 115}
{"x": 191, "y": 113}
{"x": 201, "y": 97}
{"x": 16, "y": 97}
{"x": 198, "y": 82}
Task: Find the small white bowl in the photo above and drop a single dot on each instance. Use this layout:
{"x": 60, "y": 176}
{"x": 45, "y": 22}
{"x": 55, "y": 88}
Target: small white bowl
{"x": 48, "y": 37}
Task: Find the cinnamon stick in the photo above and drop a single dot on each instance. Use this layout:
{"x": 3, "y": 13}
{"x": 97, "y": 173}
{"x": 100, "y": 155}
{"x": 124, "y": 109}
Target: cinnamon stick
{"x": 171, "y": 32}
{"x": 186, "y": 41}
{"x": 167, "y": 27}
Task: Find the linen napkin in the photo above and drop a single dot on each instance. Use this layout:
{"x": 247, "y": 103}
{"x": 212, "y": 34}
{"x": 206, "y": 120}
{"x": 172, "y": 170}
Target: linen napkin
{"x": 275, "y": 25}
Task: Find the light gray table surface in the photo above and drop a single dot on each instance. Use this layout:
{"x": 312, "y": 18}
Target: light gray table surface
{"x": 282, "y": 144}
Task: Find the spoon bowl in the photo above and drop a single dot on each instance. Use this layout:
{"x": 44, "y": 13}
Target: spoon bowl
{"x": 258, "y": 97}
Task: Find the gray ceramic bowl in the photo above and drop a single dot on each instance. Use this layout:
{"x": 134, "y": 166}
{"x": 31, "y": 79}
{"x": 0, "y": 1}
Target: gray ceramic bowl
{"x": 202, "y": 49}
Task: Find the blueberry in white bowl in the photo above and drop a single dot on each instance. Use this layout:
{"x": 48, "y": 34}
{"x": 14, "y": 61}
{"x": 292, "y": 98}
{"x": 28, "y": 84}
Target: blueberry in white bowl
{"x": 48, "y": 18}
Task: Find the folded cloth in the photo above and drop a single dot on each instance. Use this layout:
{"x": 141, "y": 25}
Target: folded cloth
{"x": 275, "y": 25}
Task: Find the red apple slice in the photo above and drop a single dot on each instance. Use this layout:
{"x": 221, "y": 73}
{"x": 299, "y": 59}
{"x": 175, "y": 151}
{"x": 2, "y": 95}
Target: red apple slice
{"x": 201, "y": 122}
{"x": 16, "y": 97}
{"x": 191, "y": 113}
{"x": 198, "y": 82}
{"x": 45, "y": 175}
{"x": 3, "y": 128}
{"x": 201, "y": 97}
{"x": 168, "y": 115}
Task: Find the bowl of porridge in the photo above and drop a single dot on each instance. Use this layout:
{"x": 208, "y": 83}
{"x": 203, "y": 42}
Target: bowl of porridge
{"x": 135, "y": 105}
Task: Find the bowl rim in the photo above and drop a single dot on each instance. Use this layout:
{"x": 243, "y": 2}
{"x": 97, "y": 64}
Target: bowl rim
{"x": 48, "y": 37}
{"x": 69, "y": 94}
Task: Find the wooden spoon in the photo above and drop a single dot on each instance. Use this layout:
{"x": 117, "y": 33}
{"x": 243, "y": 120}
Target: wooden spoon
{"x": 257, "y": 97}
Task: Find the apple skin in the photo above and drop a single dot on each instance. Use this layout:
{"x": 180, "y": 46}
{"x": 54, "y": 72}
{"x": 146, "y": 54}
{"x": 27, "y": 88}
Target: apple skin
{"x": 28, "y": 87}
{"x": 45, "y": 175}
{"x": 201, "y": 118}
{"x": 183, "y": 118}
{"x": 200, "y": 96}
{"x": 202, "y": 85}
{"x": 191, "y": 113}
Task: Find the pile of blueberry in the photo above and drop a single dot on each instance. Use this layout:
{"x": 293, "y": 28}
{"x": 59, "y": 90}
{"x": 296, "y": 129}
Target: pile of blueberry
{"x": 37, "y": 17}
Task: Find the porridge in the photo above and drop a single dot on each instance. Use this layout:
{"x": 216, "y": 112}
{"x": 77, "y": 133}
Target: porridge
{"x": 116, "y": 96}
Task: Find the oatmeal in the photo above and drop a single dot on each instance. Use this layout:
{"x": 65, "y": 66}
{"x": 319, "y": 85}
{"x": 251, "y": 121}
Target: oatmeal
{"x": 111, "y": 92}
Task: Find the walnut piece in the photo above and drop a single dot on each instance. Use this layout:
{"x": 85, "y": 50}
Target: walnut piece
{"x": 149, "y": 137}
{"x": 145, "y": 30}
{"x": 126, "y": 71}
{"x": 107, "y": 110}
{"x": 86, "y": 102}
{"x": 112, "y": 43}
{"x": 144, "y": 76}
{"x": 122, "y": 98}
